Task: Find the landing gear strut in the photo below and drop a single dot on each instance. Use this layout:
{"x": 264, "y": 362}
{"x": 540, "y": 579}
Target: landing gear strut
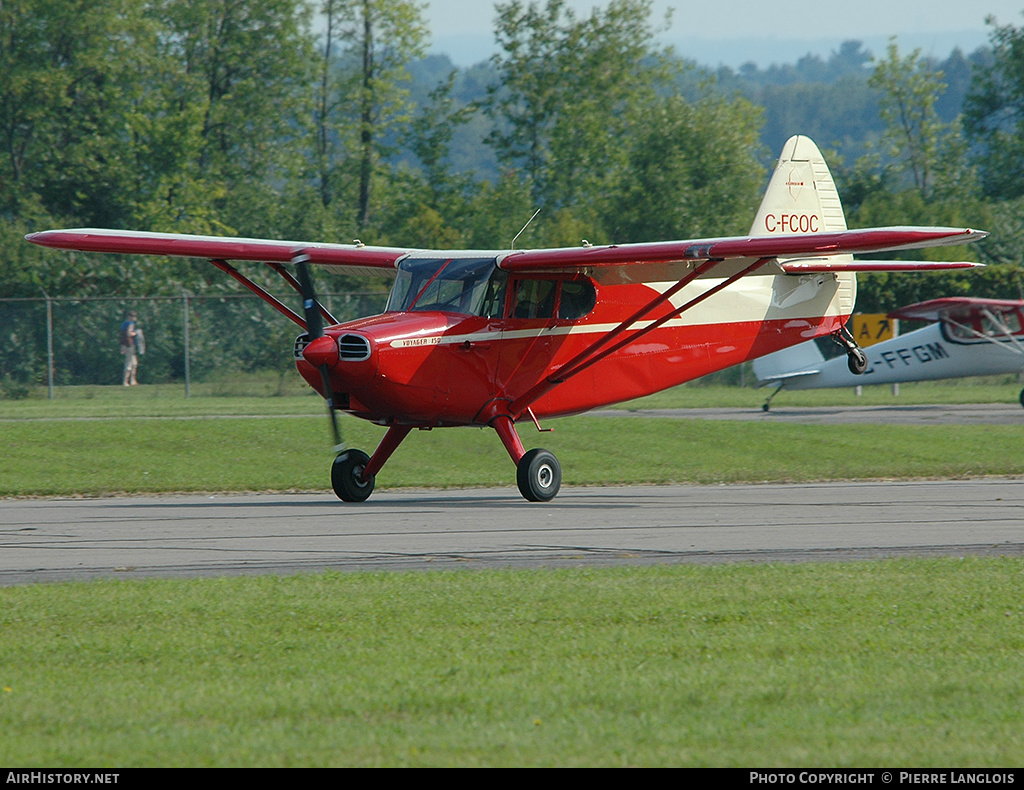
{"x": 538, "y": 472}
{"x": 856, "y": 359}
{"x": 768, "y": 401}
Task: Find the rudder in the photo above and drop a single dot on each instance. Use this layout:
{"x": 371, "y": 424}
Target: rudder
{"x": 802, "y": 198}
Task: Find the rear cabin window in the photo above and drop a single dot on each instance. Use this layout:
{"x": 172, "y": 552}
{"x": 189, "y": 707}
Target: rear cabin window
{"x": 976, "y": 326}
{"x": 551, "y": 298}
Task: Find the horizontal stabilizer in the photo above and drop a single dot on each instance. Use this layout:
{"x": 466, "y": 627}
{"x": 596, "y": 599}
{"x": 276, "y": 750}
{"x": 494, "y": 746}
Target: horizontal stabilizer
{"x": 812, "y": 266}
{"x": 784, "y": 376}
{"x": 804, "y": 359}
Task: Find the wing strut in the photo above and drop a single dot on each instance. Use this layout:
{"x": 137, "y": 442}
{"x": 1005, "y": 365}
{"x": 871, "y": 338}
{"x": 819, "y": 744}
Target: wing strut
{"x": 268, "y": 297}
{"x": 261, "y": 292}
{"x": 288, "y": 278}
{"x": 594, "y": 353}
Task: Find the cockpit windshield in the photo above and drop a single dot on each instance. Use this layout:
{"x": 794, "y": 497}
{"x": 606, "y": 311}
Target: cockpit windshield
{"x": 472, "y": 286}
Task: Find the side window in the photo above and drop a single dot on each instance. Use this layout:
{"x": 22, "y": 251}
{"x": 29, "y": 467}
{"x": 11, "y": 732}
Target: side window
{"x": 578, "y": 298}
{"x": 566, "y": 300}
{"x": 494, "y": 297}
{"x": 535, "y": 299}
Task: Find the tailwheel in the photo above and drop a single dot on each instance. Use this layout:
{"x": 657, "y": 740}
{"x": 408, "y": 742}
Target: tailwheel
{"x": 857, "y": 361}
{"x": 539, "y": 475}
{"x": 768, "y": 401}
{"x": 347, "y": 476}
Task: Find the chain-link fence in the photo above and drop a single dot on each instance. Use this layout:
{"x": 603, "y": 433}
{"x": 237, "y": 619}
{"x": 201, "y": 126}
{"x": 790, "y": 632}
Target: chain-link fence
{"x": 68, "y": 341}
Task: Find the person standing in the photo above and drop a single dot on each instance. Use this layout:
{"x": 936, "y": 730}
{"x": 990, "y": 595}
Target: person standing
{"x": 132, "y": 344}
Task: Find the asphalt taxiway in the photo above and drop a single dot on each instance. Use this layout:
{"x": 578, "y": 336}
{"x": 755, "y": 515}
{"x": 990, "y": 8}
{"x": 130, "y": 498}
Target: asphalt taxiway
{"x": 48, "y": 540}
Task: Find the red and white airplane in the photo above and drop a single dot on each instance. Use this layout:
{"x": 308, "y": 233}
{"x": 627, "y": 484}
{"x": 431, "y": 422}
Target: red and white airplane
{"x": 967, "y": 337}
{"x": 492, "y": 338}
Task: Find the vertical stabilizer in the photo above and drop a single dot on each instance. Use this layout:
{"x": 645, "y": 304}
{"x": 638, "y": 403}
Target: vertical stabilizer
{"x": 801, "y": 197}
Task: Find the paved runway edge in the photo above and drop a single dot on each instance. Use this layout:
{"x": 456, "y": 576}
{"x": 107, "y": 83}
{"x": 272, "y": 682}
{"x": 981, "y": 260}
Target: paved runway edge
{"x": 184, "y": 536}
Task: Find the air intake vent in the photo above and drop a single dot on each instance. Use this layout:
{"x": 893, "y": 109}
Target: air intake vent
{"x": 353, "y": 348}
{"x": 300, "y": 345}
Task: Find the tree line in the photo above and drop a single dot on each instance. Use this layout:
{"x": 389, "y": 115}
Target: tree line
{"x": 300, "y": 119}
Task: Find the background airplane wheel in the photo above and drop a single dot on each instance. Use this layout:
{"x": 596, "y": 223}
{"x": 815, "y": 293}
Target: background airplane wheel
{"x": 539, "y": 476}
{"x": 345, "y": 478}
{"x": 1022, "y": 397}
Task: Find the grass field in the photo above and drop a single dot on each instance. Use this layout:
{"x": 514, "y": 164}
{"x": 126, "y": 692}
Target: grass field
{"x": 889, "y": 664}
{"x": 96, "y": 441}
{"x": 886, "y": 664}
{"x": 260, "y": 394}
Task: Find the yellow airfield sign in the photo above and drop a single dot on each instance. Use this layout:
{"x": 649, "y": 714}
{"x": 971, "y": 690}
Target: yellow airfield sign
{"x": 871, "y": 328}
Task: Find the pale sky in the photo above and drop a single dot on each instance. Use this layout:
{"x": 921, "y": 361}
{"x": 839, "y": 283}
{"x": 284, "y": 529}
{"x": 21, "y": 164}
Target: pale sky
{"x": 763, "y": 31}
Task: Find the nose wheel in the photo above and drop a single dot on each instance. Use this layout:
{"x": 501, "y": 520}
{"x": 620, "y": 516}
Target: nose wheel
{"x": 347, "y": 476}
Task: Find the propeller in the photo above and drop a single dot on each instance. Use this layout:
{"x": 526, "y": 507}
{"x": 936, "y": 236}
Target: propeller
{"x": 322, "y": 350}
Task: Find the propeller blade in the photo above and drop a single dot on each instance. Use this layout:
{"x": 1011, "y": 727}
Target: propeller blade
{"x": 339, "y": 444}
{"x": 314, "y": 322}
{"x": 315, "y": 330}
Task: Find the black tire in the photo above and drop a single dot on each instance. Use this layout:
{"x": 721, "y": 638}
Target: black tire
{"x": 857, "y": 361}
{"x": 345, "y": 476}
{"x": 539, "y": 476}
{"x": 1022, "y": 397}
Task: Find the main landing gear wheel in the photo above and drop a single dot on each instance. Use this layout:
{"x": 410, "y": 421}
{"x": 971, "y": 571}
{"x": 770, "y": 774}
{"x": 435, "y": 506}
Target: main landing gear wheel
{"x": 1022, "y": 397}
{"x": 539, "y": 476}
{"x": 346, "y": 476}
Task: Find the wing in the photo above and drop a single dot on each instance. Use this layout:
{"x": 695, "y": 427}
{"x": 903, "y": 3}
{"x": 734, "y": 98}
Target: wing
{"x": 963, "y": 307}
{"x": 357, "y": 258}
{"x": 792, "y": 254}
{"x": 648, "y": 262}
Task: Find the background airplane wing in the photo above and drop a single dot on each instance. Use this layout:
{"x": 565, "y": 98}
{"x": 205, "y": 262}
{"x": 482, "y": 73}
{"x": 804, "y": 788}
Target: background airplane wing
{"x": 935, "y": 309}
{"x": 792, "y": 254}
{"x": 357, "y": 258}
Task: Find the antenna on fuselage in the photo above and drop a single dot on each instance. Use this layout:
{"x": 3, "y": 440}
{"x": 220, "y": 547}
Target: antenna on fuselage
{"x": 520, "y": 233}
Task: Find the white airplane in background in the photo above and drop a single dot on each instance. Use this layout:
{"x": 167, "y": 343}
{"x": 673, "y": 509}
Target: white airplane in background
{"x": 968, "y": 337}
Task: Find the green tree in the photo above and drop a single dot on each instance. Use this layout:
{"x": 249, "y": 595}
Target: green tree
{"x": 229, "y": 111}
{"x": 68, "y": 74}
{"x": 692, "y": 171}
{"x": 362, "y": 96}
{"x": 994, "y": 113}
{"x": 917, "y": 140}
{"x": 428, "y": 202}
{"x": 569, "y": 93}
